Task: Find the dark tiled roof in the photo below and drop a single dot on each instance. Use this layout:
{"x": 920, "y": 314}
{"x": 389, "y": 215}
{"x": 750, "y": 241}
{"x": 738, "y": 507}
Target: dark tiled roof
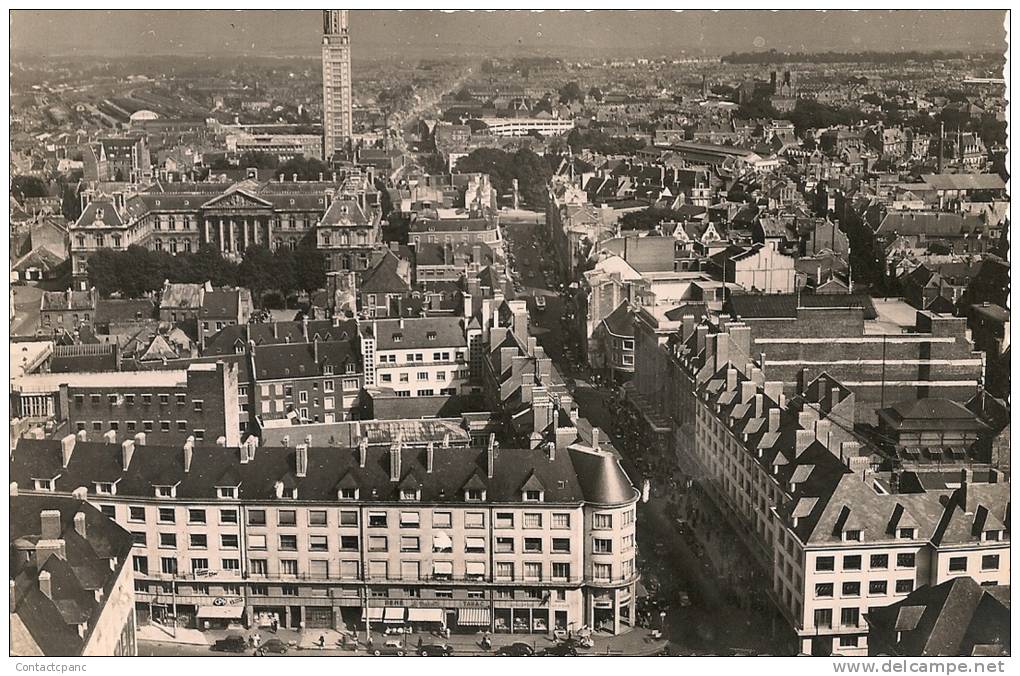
{"x": 620, "y": 322}
{"x": 956, "y": 618}
{"x": 414, "y": 333}
{"x": 785, "y": 305}
{"x": 568, "y": 477}
{"x": 51, "y": 624}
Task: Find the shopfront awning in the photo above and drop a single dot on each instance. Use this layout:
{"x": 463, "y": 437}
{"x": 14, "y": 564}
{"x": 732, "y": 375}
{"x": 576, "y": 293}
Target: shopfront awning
{"x": 393, "y": 616}
{"x": 374, "y": 614}
{"x": 426, "y": 615}
{"x": 473, "y": 617}
{"x": 220, "y": 612}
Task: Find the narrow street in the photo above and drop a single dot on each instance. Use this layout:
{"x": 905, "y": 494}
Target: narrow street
{"x": 698, "y": 575}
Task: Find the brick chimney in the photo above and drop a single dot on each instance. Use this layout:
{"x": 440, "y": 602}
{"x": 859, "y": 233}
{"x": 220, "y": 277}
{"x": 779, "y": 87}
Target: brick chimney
{"x": 79, "y": 524}
{"x": 44, "y": 584}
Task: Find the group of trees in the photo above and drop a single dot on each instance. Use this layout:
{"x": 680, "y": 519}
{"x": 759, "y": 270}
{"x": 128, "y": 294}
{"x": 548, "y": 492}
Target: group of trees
{"x": 307, "y": 168}
{"x": 602, "y": 143}
{"x": 648, "y": 219}
{"x": 531, "y": 171}
{"x": 137, "y": 271}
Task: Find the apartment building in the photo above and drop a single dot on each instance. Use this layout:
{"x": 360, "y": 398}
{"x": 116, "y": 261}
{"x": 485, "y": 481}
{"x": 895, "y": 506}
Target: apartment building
{"x": 484, "y": 230}
{"x": 161, "y": 406}
{"x": 515, "y": 540}
{"x": 67, "y": 310}
{"x": 309, "y": 382}
{"x": 838, "y": 534}
{"x": 420, "y": 356}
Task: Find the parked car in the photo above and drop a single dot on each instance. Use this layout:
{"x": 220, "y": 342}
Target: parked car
{"x": 558, "y": 650}
{"x": 274, "y": 645}
{"x": 390, "y": 649}
{"x": 234, "y": 643}
{"x": 435, "y": 650}
{"x": 516, "y": 649}
{"x": 540, "y": 302}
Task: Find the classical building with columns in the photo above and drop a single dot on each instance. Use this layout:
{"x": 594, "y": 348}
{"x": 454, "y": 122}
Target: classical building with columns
{"x": 182, "y": 217}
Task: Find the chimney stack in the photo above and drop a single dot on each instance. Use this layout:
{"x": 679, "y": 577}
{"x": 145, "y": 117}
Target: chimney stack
{"x": 13, "y": 597}
{"x": 278, "y": 489}
{"x": 301, "y": 460}
{"x": 44, "y": 584}
{"x": 66, "y": 448}
{"x": 362, "y": 451}
{"x": 140, "y": 439}
{"x": 110, "y": 436}
{"x": 189, "y": 449}
{"x": 595, "y": 438}
{"x": 490, "y": 456}
{"x": 127, "y": 450}
{"x": 395, "y": 462}
{"x": 429, "y": 457}
{"x": 804, "y": 439}
{"x": 79, "y": 524}
{"x": 49, "y": 524}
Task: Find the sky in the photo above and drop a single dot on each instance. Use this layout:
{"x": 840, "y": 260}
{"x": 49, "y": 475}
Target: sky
{"x": 381, "y": 33}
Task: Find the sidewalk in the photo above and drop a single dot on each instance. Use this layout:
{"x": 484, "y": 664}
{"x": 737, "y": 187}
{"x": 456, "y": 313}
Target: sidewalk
{"x": 159, "y": 633}
{"x": 634, "y": 643}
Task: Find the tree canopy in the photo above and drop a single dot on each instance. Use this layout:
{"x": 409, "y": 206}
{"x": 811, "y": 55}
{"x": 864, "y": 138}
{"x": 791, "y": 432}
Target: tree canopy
{"x": 531, "y": 171}
{"x": 600, "y": 142}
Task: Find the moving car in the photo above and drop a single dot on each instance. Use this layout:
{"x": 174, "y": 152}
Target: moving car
{"x": 234, "y": 643}
{"x": 274, "y": 645}
{"x": 435, "y": 650}
{"x": 516, "y": 649}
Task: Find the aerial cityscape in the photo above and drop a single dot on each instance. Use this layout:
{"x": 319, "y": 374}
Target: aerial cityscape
{"x": 512, "y": 333}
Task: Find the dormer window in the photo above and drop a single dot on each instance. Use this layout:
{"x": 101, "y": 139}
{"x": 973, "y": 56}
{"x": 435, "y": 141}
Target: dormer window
{"x": 431, "y": 335}
{"x": 534, "y": 496}
{"x": 105, "y": 488}
{"x": 226, "y": 492}
{"x": 398, "y": 337}
{"x": 474, "y": 495}
{"x": 348, "y": 494}
{"x": 166, "y": 491}
{"x": 43, "y": 484}
{"x": 349, "y": 368}
{"x": 906, "y": 533}
{"x": 993, "y": 535}
{"x": 327, "y": 370}
{"x": 410, "y": 494}
{"x": 852, "y": 535}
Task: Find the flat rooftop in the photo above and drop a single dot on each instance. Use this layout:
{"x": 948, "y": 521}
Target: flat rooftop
{"x": 51, "y": 382}
{"x": 895, "y": 315}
